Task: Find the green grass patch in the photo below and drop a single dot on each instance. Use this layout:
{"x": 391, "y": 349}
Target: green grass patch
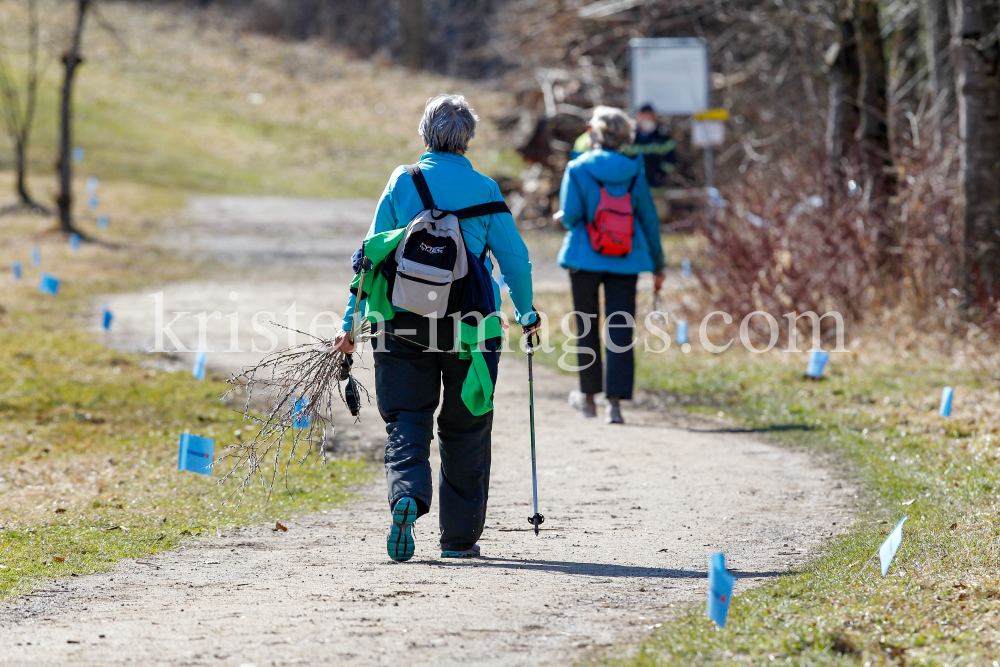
{"x": 877, "y": 417}
{"x": 88, "y": 454}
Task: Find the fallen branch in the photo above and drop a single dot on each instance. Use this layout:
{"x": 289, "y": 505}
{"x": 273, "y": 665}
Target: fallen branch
{"x": 301, "y": 385}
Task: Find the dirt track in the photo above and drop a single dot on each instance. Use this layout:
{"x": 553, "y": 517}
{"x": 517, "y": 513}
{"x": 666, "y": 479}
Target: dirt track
{"x": 632, "y": 515}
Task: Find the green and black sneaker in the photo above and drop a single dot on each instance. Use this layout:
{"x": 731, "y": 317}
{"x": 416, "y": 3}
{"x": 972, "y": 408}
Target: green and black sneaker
{"x": 473, "y": 552}
{"x": 399, "y": 541}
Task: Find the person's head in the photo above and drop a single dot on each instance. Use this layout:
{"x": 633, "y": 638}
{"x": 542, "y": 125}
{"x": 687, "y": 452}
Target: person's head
{"x": 646, "y": 118}
{"x": 611, "y": 129}
{"x": 448, "y": 124}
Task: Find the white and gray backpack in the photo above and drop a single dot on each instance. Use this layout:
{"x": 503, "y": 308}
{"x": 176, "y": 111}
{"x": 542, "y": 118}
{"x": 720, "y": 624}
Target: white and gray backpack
{"x": 432, "y": 256}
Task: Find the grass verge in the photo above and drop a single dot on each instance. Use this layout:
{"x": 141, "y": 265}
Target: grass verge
{"x": 88, "y": 457}
{"x": 940, "y": 603}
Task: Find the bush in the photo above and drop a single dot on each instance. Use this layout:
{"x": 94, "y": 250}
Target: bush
{"x": 799, "y": 243}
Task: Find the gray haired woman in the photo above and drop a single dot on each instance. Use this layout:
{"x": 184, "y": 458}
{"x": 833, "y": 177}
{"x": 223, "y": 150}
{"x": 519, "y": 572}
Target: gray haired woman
{"x": 605, "y": 190}
{"x": 417, "y": 356}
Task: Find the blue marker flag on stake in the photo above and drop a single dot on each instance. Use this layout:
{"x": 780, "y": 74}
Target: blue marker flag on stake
{"x": 817, "y": 363}
{"x": 102, "y": 221}
{"x": 92, "y": 203}
{"x": 196, "y": 454}
{"x": 946, "y": 395}
{"x": 686, "y": 267}
{"x": 106, "y": 318}
{"x": 720, "y": 589}
{"x": 74, "y": 241}
{"x": 200, "y": 358}
{"x": 887, "y": 551}
{"x": 78, "y": 154}
{"x": 92, "y": 185}
{"x": 48, "y": 284}
{"x": 682, "y": 332}
{"x": 16, "y": 269}
{"x": 36, "y": 256}
{"x": 299, "y": 415}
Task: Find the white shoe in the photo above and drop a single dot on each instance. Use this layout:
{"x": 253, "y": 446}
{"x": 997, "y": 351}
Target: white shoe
{"x": 614, "y": 414}
{"x": 579, "y": 401}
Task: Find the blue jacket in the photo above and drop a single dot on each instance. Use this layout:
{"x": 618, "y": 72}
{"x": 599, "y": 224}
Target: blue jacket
{"x": 578, "y": 199}
{"x": 454, "y": 184}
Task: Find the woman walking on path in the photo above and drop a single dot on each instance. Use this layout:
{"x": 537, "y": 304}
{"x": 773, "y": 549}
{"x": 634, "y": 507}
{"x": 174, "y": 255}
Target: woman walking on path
{"x": 417, "y": 355}
{"x": 613, "y": 236}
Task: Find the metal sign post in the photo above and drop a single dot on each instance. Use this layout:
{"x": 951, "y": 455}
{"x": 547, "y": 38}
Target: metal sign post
{"x": 708, "y": 129}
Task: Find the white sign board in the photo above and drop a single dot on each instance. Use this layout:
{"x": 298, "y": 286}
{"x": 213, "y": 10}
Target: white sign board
{"x": 706, "y": 133}
{"x": 671, "y": 73}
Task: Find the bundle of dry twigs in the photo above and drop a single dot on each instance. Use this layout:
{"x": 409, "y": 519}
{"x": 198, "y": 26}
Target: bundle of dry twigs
{"x": 299, "y": 385}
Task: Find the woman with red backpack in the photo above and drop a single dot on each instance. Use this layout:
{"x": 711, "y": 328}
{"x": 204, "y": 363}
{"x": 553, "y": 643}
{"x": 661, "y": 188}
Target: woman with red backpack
{"x": 612, "y": 236}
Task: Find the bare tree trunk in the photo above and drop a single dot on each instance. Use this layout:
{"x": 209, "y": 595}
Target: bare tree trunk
{"x": 873, "y": 134}
{"x": 940, "y": 72}
{"x": 843, "y": 118}
{"x": 413, "y": 26}
{"x": 977, "y": 59}
{"x": 71, "y": 60}
{"x": 19, "y": 119}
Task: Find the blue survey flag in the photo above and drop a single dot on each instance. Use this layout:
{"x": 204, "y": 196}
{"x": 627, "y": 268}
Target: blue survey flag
{"x": 74, "y": 241}
{"x": 196, "y": 454}
{"x": 720, "y": 589}
{"x": 887, "y": 551}
{"x": 817, "y": 363}
{"x": 686, "y": 267}
{"x": 946, "y": 394}
{"x": 92, "y": 202}
{"x": 682, "y": 332}
{"x": 48, "y": 284}
{"x": 300, "y": 414}
{"x": 36, "y": 256}
{"x": 106, "y": 318}
{"x": 16, "y": 270}
{"x": 102, "y": 221}
{"x": 78, "y": 154}
{"x": 92, "y": 185}
{"x": 198, "y": 371}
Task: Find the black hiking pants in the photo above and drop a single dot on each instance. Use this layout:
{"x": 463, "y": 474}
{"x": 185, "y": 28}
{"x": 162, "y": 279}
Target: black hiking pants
{"x": 408, "y": 383}
{"x": 619, "y": 297}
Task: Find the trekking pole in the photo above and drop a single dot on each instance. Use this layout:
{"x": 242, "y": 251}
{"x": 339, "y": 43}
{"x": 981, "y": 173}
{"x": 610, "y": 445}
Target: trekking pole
{"x": 365, "y": 265}
{"x": 537, "y": 519}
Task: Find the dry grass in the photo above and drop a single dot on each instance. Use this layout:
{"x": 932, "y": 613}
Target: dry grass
{"x": 168, "y": 101}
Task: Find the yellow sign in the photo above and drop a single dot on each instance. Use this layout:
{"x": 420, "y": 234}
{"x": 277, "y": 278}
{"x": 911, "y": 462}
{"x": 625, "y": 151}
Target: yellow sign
{"x": 712, "y": 114}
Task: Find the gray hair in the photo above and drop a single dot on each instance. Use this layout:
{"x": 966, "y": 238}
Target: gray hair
{"x": 611, "y": 128}
{"x": 448, "y": 124}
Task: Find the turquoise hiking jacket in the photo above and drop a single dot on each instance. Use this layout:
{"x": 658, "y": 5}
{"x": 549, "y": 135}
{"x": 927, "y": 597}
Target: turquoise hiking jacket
{"x": 454, "y": 184}
{"x": 578, "y": 199}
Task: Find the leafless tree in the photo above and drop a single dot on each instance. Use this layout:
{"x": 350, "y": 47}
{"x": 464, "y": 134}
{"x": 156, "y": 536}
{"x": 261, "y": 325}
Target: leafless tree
{"x": 977, "y": 56}
{"x": 413, "y": 29}
{"x": 18, "y": 102}
{"x": 940, "y": 72}
{"x": 71, "y": 61}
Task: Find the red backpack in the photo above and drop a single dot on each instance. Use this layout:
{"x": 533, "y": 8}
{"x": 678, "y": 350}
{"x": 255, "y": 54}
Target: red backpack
{"x": 614, "y": 223}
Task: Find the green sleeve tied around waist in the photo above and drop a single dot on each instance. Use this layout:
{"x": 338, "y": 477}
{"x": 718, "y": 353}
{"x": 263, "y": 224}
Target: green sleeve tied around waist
{"x": 378, "y": 302}
{"x": 477, "y": 390}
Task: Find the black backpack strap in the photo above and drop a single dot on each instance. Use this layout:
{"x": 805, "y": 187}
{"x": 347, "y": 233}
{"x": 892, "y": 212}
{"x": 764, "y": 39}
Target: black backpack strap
{"x": 421, "y": 184}
{"x": 489, "y": 208}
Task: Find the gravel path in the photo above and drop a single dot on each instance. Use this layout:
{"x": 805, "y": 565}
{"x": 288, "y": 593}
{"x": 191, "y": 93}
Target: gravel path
{"x": 632, "y": 515}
